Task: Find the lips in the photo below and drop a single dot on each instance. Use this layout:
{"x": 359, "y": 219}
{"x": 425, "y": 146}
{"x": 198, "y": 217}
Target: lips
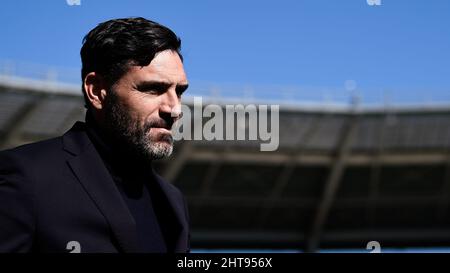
{"x": 162, "y": 129}
{"x": 161, "y": 125}
{"x": 162, "y": 135}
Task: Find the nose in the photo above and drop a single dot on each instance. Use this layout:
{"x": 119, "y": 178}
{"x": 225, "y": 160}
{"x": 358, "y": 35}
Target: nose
{"x": 170, "y": 105}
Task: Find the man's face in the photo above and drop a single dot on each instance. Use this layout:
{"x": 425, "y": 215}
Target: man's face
{"x": 143, "y": 104}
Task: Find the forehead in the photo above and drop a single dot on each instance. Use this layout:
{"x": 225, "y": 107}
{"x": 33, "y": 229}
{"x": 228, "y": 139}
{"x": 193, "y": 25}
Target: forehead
{"x": 165, "y": 66}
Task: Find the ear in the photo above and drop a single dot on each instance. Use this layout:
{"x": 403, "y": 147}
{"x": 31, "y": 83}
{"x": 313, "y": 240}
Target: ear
{"x": 95, "y": 88}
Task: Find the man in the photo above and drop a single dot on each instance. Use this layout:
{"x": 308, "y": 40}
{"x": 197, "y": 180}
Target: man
{"x": 93, "y": 189}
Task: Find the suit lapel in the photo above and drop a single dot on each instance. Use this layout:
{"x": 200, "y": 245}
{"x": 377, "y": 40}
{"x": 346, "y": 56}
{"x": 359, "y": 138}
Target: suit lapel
{"x": 90, "y": 171}
{"x": 177, "y": 206}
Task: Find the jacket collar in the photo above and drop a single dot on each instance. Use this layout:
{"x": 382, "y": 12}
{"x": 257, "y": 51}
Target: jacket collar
{"x": 178, "y": 205}
{"x": 93, "y": 175}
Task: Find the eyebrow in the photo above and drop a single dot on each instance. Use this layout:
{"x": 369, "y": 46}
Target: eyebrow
{"x": 160, "y": 86}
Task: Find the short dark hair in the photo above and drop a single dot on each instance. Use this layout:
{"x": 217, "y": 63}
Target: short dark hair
{"x": 113, "y": 46}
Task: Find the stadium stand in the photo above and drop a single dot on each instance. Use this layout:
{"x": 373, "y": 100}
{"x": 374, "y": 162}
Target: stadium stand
{"x": 342, "y": 176}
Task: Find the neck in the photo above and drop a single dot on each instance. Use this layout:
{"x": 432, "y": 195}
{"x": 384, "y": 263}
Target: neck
{"x": 113, "y": 148}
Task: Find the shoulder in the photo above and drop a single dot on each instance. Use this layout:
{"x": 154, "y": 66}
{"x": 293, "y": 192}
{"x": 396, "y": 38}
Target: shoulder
{"x": 34, "y": 154}
{"x": 42, "y": 154}
{"x": 38, "y": 160}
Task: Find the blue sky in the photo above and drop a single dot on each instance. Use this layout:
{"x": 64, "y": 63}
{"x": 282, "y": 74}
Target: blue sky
{"x": 402, "y": 46}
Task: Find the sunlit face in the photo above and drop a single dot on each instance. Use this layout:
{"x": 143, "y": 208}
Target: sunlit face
{"x": 144, "y": 103}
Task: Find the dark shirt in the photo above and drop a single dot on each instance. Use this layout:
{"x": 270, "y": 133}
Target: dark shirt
{"x": 136, "y": 182}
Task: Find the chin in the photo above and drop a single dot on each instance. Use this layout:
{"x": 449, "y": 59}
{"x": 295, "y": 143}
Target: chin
{"x": 160, "y": 150}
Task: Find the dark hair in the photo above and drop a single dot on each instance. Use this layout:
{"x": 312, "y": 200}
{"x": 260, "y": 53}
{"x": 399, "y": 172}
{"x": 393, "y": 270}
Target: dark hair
{"x": 113, "y": 46}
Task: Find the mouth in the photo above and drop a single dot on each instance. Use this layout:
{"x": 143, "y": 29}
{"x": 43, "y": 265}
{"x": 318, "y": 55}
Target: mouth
{"x": 162, "y": 130}
{"x": 161, "y": 134}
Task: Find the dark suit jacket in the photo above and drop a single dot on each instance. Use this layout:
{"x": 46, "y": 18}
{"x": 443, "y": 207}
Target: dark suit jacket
{"x": 59, "y": 191}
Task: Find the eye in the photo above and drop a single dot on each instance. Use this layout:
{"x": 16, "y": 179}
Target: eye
{"x": 180, "y": 90}
{"x": 152, "y": 89}
{"x": 179, "y": 93}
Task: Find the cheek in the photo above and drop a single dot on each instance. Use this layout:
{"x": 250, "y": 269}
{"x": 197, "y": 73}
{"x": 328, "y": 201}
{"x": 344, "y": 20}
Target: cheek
{"x": 143, "y": 108}
{"x": 149, "y": 107}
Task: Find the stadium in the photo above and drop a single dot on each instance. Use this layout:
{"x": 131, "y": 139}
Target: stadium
{"x": 345, "y": 174}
